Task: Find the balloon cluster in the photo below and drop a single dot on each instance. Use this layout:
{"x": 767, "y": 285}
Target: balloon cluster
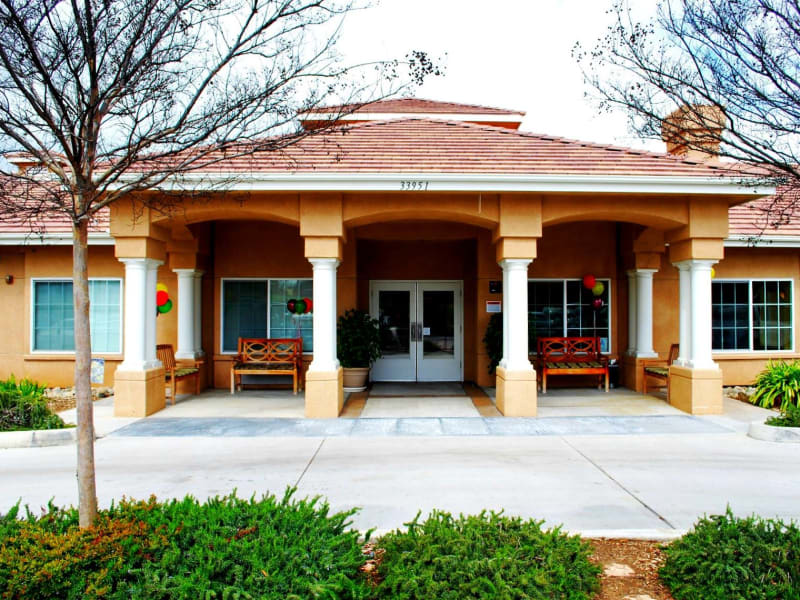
{"x": 163, "y": 302}
{"x": 299, "y": 306}
{"x": 590, "y": 283}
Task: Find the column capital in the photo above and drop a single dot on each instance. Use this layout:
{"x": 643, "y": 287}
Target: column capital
{"x": 515, "y": 264}
{"x": 324, "y": 263}
{"x": 644, "y": 272}
{"x": 142, "y": 263}
{"x": 189, "y": 272}
{"x": 695, "y": 263}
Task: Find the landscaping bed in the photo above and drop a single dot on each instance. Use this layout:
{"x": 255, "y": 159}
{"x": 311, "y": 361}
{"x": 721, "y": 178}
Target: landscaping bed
{"x": 59, "y": 399}
{"x": 23, "y": 407}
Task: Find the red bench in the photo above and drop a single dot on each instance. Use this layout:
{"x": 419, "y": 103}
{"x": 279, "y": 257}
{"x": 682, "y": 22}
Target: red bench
{"x": 570, "y": 356}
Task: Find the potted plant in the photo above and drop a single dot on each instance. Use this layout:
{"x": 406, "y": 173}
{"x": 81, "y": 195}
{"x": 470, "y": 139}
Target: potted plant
{"x": 357, "y": 346}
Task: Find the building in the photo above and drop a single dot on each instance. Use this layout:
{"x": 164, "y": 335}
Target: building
{"x": 416, "y": 211}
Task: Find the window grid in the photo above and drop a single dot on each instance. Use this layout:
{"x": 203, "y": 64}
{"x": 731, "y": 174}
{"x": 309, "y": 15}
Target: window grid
{"x": 265, "y": 314}
{"x": 752, "y": 315}
{"x": 563, "y": 307}
{"x": 53, "y": 327}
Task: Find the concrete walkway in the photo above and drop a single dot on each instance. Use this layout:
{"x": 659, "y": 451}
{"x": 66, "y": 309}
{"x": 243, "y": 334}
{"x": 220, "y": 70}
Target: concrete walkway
{"x": 629, "y": 481}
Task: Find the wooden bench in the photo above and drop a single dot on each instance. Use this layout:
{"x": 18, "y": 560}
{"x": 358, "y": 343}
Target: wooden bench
{"x": 655, "y": 368}
{"x": 267, "y": 356}
{"x": 570, "y": 356}
{"x": 173, "y": 373}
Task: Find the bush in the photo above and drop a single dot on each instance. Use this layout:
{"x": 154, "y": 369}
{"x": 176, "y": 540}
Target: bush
{"x": 725, "y": 557}
{"x": 484, "y": 556}
{"x": 23, "y": 406}
{"x": 183, "y": 549}
{"x": 358, "y": 339}
{"x": 789, "y": 417}
{"x": 778, "y": 383}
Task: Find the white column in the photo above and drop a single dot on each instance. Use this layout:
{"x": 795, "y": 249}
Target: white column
{"x": 140, "y": 314}
{"x": 186, "y": 320}
{"x": 503, "y": 361}
{"x": 644, "y": 313}
{"x": 632, "y": 318}
{"x": 197, "y": 282}
{"x": 515, "y": 314}
{"x": 684, "y": 313}
{"x": 324, "y": 320}
{"x": 700, "y": 294}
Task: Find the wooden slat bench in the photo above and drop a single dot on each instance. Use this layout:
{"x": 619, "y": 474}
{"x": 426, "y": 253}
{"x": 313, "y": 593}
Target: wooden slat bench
{"x": 267, "y": 356}
{"x": 654, "y": 368}
{"x": 570, "y": 356}
{"x": 173, "y": 372}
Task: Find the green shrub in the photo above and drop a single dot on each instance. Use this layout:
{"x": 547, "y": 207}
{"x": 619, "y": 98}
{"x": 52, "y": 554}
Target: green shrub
{"x": 778, "y": 383}
{"x": 358, "y": 339}
{"x": 725, "y": 557}
{"x": 789, "y": 417}
{"x": 484, "y": 556}
{"x": 272, "y": 548}
{"x": 20, "y": 411}
{"x": 493, "y": 341}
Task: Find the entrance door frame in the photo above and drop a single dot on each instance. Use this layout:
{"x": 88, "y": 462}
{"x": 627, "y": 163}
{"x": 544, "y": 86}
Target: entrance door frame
{"x": 458, "y": 310}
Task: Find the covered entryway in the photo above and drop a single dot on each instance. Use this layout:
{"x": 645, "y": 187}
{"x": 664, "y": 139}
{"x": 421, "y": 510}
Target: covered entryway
{"x": 422, "y": 331}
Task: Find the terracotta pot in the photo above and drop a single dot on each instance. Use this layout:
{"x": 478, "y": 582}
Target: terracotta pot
{"x": 355, "y": 379}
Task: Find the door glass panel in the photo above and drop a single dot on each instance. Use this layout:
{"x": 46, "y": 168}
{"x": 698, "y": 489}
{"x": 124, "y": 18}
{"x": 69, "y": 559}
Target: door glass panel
{"x": 438, "y": 324}
{"x": 393, "y": 310}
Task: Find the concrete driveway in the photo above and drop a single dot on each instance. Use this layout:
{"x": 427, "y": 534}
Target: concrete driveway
{"x": 645, "y": 484}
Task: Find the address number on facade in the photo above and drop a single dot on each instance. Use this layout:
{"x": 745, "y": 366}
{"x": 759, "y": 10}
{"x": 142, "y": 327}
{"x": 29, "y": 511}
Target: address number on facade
{"x": 414, "y": 185}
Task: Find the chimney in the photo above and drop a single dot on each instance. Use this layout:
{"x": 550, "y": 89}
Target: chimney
{"x": 694, "y": 132}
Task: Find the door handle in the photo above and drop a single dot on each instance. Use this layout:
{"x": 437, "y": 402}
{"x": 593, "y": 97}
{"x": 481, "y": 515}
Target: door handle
{"x": 412, "y": 330}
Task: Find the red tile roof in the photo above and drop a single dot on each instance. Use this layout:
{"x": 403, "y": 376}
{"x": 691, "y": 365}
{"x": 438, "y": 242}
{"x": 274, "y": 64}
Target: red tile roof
{"x": 777, "y": 215}
{"x": 430, "y": 146}
{"x": 419, "y": 105}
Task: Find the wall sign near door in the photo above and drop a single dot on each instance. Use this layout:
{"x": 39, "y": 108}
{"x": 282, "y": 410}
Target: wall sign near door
{"x": 494, "y": 306}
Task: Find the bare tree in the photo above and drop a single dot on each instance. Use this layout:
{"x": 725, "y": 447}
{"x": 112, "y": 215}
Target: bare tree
{"x": 732, "y": 67}
{"x": 114, "y": 97}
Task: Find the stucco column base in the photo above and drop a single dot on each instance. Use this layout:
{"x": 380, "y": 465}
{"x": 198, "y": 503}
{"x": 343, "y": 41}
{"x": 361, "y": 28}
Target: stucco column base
{"x": 632, "y": 373}
{"x": 139, "y": 393}
{"x": 324, "y": 394}
{"x": 516, "y": 393}
{"x": 696, "y": 391}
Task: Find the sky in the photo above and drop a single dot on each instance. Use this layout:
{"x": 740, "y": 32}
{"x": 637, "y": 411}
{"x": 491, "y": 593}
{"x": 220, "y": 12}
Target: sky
{"x": 506, "y": 53}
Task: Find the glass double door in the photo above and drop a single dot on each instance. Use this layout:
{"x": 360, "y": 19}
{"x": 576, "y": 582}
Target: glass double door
{"x": 421, "y": 328}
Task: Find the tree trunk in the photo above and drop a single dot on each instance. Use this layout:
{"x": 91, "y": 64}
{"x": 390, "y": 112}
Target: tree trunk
{"x": 87, "y": 493}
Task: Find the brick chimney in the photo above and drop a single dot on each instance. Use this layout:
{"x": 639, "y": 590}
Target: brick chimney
{"x": 694, "y": 132}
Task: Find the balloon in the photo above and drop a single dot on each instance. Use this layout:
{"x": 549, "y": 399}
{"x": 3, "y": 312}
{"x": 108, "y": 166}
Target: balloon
{"x": 309, "y": 304}
{"x": 161, "y": 288}
{"x": 166, "y": 307}
{"x": 299, "y": 307}
{"x": 598, "y": 288}
{"x": 161, "y": 298}
{"x": 589, "y": 281}
{"x": 713, "y": 273}
{"x": 290, "y": 305}
{"x": 597, "y": 303}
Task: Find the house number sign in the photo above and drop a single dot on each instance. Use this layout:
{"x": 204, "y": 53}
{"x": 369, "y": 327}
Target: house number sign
{"x": 416, "y": 185}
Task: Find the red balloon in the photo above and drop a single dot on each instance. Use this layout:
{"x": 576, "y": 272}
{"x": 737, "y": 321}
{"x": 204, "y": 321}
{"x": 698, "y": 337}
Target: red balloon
{"x": 309, "y": 304}
{"x": 161, "y": 298}
{"x": 597, "y": 303}
{"x": 589, "y": 281}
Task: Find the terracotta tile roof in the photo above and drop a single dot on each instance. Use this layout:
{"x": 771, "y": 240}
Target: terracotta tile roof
{"x": 777, "y": 215}
{"x": 431, "y": 146}
{"x": 420, "y": 105}
{"x": 43, "y": 223}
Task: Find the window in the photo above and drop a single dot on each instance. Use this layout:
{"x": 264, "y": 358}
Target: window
{"x": 751, "y": 315}
{"x": 53, "y": 322}
{"x": 257, "y": 308}
{"x": 563, "y": 307}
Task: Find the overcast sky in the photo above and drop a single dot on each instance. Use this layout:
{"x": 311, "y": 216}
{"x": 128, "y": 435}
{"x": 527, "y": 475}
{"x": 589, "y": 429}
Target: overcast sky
{"x": 506, "y": 53}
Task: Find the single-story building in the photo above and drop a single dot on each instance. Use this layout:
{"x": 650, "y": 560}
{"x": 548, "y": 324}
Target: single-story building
{"x": 425, "y": 214}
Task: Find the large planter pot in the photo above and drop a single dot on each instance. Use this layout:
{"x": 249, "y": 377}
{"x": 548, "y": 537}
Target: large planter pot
{"x": 355, "y": 379}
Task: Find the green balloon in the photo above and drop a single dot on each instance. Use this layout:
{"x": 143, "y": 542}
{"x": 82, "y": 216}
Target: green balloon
{"x": 166, "y": 307}
{"x": 299, "y": 307}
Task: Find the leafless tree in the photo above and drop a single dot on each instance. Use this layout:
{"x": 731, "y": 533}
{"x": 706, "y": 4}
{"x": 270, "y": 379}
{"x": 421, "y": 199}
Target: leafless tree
{"x": 740, "y": 56}
{"x": 114, "y": 97}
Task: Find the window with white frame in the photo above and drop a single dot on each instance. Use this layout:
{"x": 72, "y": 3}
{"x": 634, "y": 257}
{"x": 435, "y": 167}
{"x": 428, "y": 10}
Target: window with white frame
{"x": 752, "y": 315}
{"x": 258, "y": 308}
{"x": 564, "y": 307}
{"x": 53, "y": 322}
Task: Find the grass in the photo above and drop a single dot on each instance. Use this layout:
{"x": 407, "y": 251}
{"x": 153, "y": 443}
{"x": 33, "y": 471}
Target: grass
{"x": 23, "y": 407}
